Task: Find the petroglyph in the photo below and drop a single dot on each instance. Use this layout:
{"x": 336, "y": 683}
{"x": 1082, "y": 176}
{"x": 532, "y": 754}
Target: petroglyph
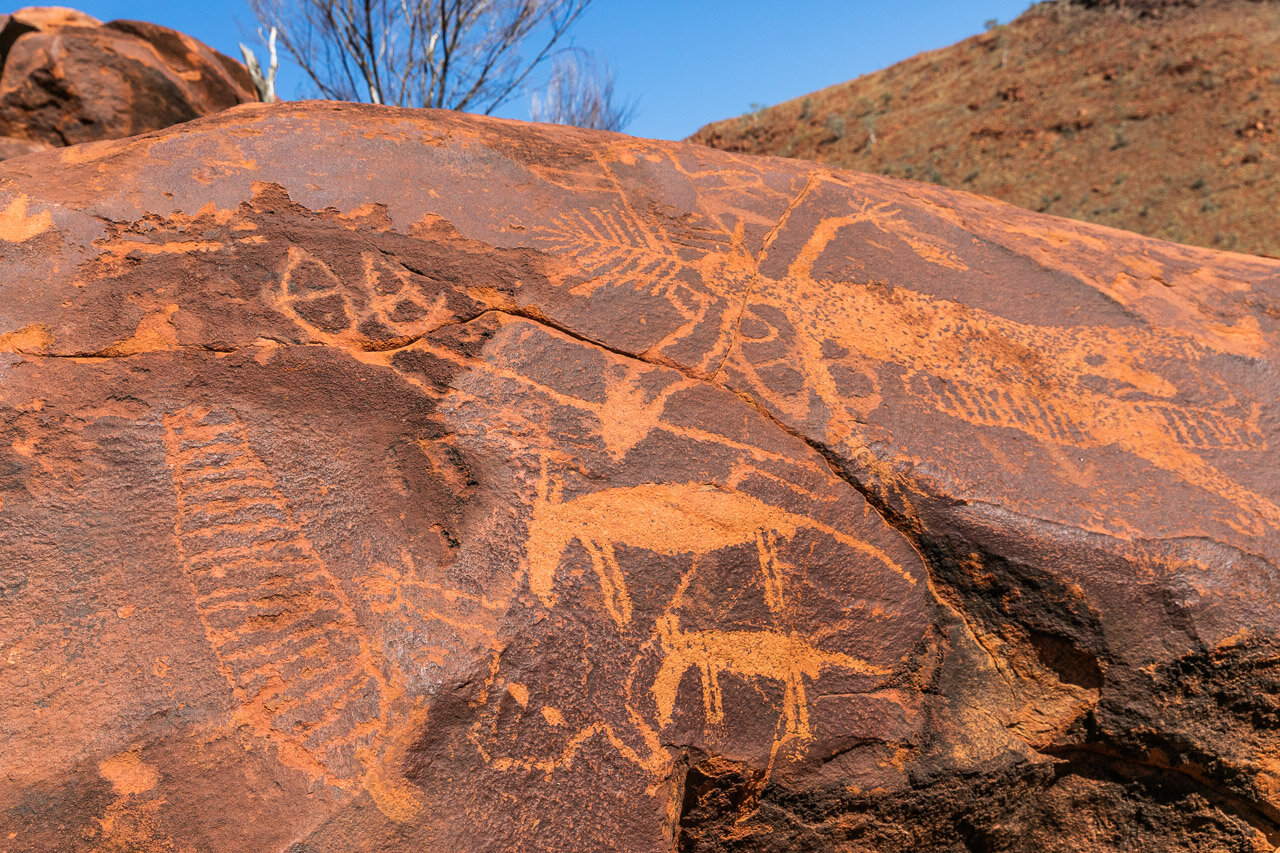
{"x": 486, "y": 733}
{"x": 666, "y": 518}
{"x": 385, "y": 309}
{"x": 1076, "y": 387}
{"x": 282, "y": 628}
{"x": 1037, "y": 370}
{"x": 751, "y": 655}
{"x": 628, "y": 415}
{"x": 886, "y": 218}
{"x": 603, "y": 243}
{"x": 990, "y": 371}
{"x": 810, "y": 628}
{"x": 446, "y": 624}
{"x": 696, "y": 624}
{"x": 695, "y": 260}
{"x": 779, "y": 655}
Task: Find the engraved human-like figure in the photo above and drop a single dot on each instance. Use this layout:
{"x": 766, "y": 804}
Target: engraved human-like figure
{"x": 816, "y": 351}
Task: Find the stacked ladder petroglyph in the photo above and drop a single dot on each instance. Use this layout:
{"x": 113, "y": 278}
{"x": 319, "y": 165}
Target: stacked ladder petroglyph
{"x": 283, "y": 631}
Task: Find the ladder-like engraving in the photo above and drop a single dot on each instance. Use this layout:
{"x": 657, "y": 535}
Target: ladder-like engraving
{"x": 284, "y": 633}
{"x": 1195, "y": 427}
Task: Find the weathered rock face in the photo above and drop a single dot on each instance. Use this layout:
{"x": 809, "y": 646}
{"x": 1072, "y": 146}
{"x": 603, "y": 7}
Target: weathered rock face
{"x": 65, "y": 78}
{"x": 388, "y": 480}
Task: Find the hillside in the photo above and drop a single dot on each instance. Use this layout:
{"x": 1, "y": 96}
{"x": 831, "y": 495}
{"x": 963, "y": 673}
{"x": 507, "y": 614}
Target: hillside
{"x": 1159, "y": 118}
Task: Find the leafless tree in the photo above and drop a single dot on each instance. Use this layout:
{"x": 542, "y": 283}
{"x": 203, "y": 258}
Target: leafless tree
{"x": 454, "y": 54}
{"x": 263, "y": 81}
{"x": 581, "y": 93}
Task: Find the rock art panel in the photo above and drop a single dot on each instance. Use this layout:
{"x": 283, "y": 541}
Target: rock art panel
{"x": 626, "y": 490}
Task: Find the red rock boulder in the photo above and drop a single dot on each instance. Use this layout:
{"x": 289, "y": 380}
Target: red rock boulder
{"x": 397, "y": 480}
{"x": 65, "y": 78}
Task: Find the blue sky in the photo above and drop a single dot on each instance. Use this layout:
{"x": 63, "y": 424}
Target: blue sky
{"x": 689, "y": 62}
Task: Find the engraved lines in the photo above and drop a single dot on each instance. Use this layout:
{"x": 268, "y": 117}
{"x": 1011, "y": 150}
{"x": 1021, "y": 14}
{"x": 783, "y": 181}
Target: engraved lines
{"x": 702, "y": 268}
{"x": 694, "y": 520}
{"x": 443, "y": 625}
{"x": 673, "y": 519}
{"x": 987, "y": 406}
{"x": 771, "y": 655}
{"x": 785, "y": 657}
{"x": 282, "y": 629}
{"x": 1196, "y": 428}
{"x": 991, "y": 371}
{"x": 385, "y": 310}
{"x": 1073, "y": 387}
{"x": 602, "y": 242}
{"x": 1077, "y": 389}
{"x": 621, "y": 424}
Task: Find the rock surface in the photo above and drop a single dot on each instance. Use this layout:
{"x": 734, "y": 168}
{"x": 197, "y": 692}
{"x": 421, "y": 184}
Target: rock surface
{"x": 65, "y": 78}
{"x": 387, "y": 480}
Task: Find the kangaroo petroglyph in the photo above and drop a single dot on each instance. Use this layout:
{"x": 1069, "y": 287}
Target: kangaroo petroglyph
{"x": 669, "y": 519}
{"x": 770, "y": 655}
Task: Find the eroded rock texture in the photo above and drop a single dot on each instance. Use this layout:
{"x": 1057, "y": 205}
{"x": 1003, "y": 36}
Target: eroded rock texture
{"x": 65, "y": 78}
{"x": 386, "y": 480}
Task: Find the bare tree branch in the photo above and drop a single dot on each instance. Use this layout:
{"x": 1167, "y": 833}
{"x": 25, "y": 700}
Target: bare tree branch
{"x": 265, "y": 83}
{"x": 581, "y": 93}
{"x": 454, "y": 54}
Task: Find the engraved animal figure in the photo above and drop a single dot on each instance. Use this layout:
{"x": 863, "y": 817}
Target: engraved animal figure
{"x": 771, "y": 655}
{"x": 283, "y": 630}
{"x": 668, "y": 519}
{"x": 988, "y": 370}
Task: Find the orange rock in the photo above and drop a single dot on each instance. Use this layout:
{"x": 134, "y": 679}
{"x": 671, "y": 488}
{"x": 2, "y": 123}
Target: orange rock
{"x": 66, "y": 78}
{"x": 52, "y": 18}
{"x": 392, "y": 480}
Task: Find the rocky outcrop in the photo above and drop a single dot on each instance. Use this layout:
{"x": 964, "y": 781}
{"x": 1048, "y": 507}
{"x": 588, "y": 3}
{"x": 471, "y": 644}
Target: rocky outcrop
{"x": 403, "y": 480}
{"x": 65, "y": 78}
